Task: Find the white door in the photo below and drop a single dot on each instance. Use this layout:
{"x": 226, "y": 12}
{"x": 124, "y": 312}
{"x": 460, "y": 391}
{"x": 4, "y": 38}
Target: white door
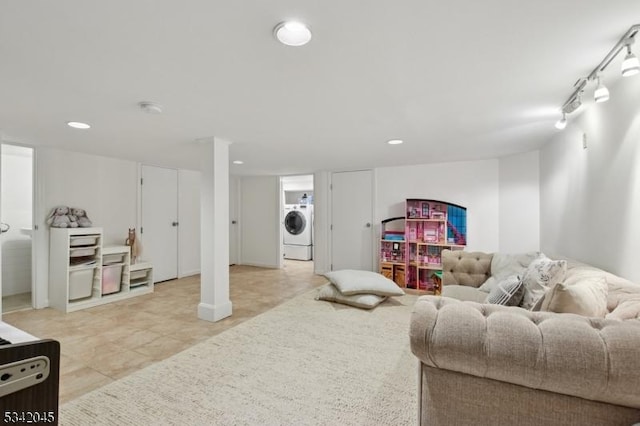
{"x": 233, "y": 220}
{"x": 159, "y": 227}
{"x": 351, "y": 220}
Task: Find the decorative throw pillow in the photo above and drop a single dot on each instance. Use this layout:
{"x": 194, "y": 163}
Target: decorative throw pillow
{"x": 508, "y": 292}
{"x": 542, "y": 274}
{"x": 351, "y": 281}
{"x": 587, "y": 297}
{"x": 365, "y": 301}
{"x": 538, "y": 305}
{"x": 505, "y": 265}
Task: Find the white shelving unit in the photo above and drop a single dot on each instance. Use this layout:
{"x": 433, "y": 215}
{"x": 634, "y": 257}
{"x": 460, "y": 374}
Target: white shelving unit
{"x": 77, "y": 260}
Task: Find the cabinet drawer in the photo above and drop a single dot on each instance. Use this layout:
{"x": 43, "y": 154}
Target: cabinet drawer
{"x": 83, "y": 240}
{"x": 82, "y": 251}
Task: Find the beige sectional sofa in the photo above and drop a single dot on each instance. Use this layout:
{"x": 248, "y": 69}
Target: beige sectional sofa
{"x": 484, "y": 364}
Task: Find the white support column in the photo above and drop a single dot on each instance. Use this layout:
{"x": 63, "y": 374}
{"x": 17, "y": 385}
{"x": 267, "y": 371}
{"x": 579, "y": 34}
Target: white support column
{"x": 214, "y": 224}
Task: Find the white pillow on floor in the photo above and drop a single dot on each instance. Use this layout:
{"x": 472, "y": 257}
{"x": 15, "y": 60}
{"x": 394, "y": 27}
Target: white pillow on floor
{"x": 365, "y": 301}
{"x": 351, "y": 281}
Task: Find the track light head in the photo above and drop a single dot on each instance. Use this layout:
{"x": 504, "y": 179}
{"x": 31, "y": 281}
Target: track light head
{"x": 573, "y": 104}
{"x": 601, "y": 93}
{"x": 562, "y": 123}
{"x": 630, "y": 65}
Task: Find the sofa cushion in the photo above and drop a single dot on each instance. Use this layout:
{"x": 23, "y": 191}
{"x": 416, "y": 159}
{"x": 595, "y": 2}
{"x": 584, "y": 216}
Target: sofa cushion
{"x": 351, "y": 281}
{"x": 504, "y": 265}
{"x": 541, "y": 274}
{"x": 628, "y": 308}
{"x": 330, "y": 293}
{"x": 465, "y": 268}
{"x": 587, "y": 297}
{"x": 465, "y": 293}
{"x": 508, "y": 292}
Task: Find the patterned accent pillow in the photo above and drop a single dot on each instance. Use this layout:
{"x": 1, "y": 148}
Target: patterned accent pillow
{"x": 365, "y": 301}
{"x": 508, "y": 292}
{"x": 542, "y": 274}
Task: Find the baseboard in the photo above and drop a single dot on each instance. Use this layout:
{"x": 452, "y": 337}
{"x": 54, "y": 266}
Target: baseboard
{"x": 259, "y": 265}
{"x": 184, "y": 274}
{"x": 214, "y": 313}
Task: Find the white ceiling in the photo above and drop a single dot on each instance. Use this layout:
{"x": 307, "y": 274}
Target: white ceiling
{"x": 457, "y": 80}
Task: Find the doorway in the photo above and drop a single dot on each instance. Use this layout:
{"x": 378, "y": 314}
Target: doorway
{"x": 16, "y": 217}
{"x": 297, "y": 218}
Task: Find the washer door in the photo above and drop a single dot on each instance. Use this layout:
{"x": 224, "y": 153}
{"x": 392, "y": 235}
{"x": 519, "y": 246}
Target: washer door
{"x": 295, "y": 222}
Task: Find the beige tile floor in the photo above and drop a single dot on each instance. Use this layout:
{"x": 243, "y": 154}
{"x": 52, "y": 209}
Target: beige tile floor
{"x": 16, "y": 302}
{"x": 102, "y": 344}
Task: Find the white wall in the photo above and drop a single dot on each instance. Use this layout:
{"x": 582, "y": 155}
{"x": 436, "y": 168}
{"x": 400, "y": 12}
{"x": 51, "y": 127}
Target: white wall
{"x": 471, "y": 184}
{"x": 260, "y": 221}
{"x": 519, "y": 213}
{"x": 17, "y": 181}
{"x": 589, "y": 197}
{"x": 297, "y": 183}
{"x": 189, "y": 219}
{"x": 104, "y": 187}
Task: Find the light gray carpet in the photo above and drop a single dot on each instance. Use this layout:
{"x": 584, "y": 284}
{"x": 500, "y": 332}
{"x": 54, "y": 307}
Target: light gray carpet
{"x": 305, "y": 362}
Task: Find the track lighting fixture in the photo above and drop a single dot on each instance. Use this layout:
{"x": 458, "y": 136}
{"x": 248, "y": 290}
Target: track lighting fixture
{"x": 601, "y": 93}
{"x": 562, "y": 123}
{"x": 630, "y": 66}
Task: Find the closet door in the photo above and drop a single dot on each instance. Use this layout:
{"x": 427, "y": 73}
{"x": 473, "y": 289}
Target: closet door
{"x": 351, "y": 220}
{"x": 159, "y": 227}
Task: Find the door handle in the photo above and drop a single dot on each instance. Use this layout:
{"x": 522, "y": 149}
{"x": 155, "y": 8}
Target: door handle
{"x": 174, "y": 223}
{"x": 4, "y": 227}
{"x": 368, "y": 225}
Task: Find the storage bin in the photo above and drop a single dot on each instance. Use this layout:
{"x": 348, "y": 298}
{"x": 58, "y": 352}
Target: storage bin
{"x": 83, "y": 240}
{"x": 80, "y": 283}
{"x": 110, "y": 259}
{"x": 136, "y": 275}
{"x": 111, "y": 279}
{"x": 77, "y": 252}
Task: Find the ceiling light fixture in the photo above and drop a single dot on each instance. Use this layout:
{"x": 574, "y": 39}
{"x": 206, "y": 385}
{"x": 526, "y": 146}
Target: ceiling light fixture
{"x": 395, "y": 141}
{"x": 562, "y": 123}
{"x": 630, "y": 66}
{"x": 150, "y": 107}
{"x": 78, "y": 125}
{"x": 601, "y": 93}
{"x": 238, "y": 162}
{"x": 292, "y": 33}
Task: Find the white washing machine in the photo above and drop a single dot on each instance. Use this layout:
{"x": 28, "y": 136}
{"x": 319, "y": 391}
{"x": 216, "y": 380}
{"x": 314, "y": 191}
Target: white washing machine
{"x": 298, "y": 228}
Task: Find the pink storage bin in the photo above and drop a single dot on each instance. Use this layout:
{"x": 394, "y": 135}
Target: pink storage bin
{"x": 111, "y": 279}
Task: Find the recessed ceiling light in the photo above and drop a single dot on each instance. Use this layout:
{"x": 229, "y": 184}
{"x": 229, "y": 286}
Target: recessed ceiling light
{"x": 238, "y": 162}
{"x": 395, "y": 142}
{"x": 292, "y": 33}
{"x": 78, "y": 125}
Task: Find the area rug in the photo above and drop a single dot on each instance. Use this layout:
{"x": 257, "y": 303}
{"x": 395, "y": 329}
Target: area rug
{"x": 305, "y": 362}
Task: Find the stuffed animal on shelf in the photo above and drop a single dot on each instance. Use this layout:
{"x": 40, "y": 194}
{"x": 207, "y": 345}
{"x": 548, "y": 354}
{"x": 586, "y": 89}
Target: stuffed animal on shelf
{"x": 133, "y": 242}
{"x": 80, "y": 216}
{"x": 60, "y": 218}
